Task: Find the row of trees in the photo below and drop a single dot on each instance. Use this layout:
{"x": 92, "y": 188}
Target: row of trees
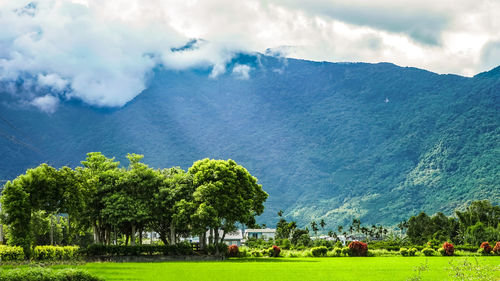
{"x": 112, "y": 201}
{"x": 479, "y": 222}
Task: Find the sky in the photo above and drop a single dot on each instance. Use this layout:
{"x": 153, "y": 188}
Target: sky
{"x": 102, "y": 52}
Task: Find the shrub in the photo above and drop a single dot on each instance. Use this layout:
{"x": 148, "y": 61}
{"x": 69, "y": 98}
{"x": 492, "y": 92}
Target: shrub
{"x": 122, "y": 250}
{"x": 404, "y": 252}
{"x": 51, "y": 253}
{"x": 428, "y": 252}
{"x": 319, "y": 251}
{"x": 11, "y": 253}
{"x": 256, "y": 253}
{"x": 346, "y": 251}
{"x": 412, "y": 252}
{"x": 496, "y": 249}
{"x": 337, "y": 251}
{"x": 485, "y": 248}
{"x": 358, "y": 248}
{"x": 273, "y": 252}
{"x": 448, "y": 248}
{"x": 45, "y": 274}
{"x": 233, "y": 251}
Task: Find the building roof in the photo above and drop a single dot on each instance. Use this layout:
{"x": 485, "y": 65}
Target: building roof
{"x": 263, "y": 230}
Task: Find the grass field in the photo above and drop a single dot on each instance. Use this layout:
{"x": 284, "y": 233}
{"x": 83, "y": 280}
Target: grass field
{"x": 290, "y": 269}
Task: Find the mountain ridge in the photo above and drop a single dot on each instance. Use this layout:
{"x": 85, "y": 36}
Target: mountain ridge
{"x": 327, "y": 140}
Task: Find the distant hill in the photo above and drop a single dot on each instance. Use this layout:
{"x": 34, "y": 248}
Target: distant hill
{"x": 328, "y": 141}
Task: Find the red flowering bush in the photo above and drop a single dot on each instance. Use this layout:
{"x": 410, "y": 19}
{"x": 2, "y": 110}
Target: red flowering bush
{"x": 449, "y": 249}
{"x": 496, "y": 249}
{"x": 276, "y": 251}
{"x": 233, "y": 251}
{"x": 485, "y": 248}
{"x": 358, "y": 248}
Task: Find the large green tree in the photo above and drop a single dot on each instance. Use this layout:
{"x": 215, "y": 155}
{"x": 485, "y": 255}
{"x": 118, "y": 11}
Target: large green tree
{"x": 226, "y": 194}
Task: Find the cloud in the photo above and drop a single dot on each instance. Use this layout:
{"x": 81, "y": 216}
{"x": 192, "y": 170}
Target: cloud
{"x": 52, "y": 80}
{"x": 46, "y": 103}
{"x": 241, "y": 71}
{"x": 103, "y": 52}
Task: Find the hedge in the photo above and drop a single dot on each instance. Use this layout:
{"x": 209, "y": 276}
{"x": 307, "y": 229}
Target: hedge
{"x": 319, "y": 251}
{"x": 51, "y": 253}
{"x": 139, "y": 250}
{"x": 45, "y": 274}
{"x": 11, "y": 253}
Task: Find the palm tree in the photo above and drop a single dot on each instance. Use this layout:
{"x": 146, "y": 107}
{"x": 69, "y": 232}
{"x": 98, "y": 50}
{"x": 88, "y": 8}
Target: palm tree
{"x": 314, "y": 227}
{"x": 340, "y": 228}
{"x": 280, "y": 213}
{"x": 322, "y": 223}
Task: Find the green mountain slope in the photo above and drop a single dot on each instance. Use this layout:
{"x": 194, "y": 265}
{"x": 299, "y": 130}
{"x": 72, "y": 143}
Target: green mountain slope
{"x": 333, "y": 141}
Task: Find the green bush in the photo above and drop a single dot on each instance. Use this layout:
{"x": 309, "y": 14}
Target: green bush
{"x": 256, "y": 253}
{"x": 346, "y": 251}
{"x": 428, "y": 252}
{"x": 11, "y": 253}
{"x": 404, "y": 252}
{"x": 337, "y": 251}
{"x": 319, "y": 251}
{"x": 412, "y": 252}
{"x": 442, "y": 251}
{"x": 183, "y": 249}
{"x": 46, "y": 274}
{"x": 51, "y": 253}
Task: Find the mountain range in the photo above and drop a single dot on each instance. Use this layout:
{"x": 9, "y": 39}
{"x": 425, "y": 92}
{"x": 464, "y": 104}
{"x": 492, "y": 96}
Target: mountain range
{"x": 332, "y": 141}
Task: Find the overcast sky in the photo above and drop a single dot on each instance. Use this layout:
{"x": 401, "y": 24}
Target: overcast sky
{"x": 101, "y": 51}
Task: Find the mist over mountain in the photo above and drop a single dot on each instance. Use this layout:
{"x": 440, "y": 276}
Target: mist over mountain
{"x": 328, "y": 141}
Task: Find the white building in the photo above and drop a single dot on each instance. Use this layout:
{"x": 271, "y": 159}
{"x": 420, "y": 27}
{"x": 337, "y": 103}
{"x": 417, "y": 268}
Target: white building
{"x": 265, "y": 233}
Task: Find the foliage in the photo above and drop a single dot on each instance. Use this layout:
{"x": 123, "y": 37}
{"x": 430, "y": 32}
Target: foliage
{"x": 51, "y": 253}
{"x": 319, "y": 251}
{"x": 403, "y": 252}
{"x": 448, "y": 248}
{"x": 122, "y": 250}
{"x": 485, "y": 248}
{"x": 45, "y": 274}
{"x": 11, "y": 253}
{"x": 428, "y": 251}
{"x": 225, "y": 193}
{"x": 233, "y": 251}
{"x": 496, "y": 249}
{"x": 358, "y": 248}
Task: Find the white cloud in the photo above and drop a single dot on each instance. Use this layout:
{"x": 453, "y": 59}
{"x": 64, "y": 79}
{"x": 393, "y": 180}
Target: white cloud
{"x": 46, "y": 103}
{"x": 241, "y": 71}
{"x": 103, "y": 51}
{"x": 52, "y": 80}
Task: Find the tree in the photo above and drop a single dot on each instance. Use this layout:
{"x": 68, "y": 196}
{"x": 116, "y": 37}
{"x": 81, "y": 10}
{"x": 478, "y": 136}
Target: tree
{"x": 98, "y": 177}
{"x": 172, "y": 205}
{"x": 314, "y": 228}
{"x": 322, "y": 223}
{"x": 225, "y": 193}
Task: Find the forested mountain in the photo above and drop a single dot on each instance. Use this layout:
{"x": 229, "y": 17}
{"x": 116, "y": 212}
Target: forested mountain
{"x": 328, "y": 141}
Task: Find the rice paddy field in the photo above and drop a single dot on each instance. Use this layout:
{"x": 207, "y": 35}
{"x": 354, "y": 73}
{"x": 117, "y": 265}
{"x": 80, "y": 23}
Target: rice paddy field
{"x": 291, "y": 269}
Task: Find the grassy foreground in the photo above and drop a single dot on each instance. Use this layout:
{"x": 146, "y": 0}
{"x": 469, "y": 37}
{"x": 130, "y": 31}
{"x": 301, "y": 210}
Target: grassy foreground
{"x": 375, "y": 268}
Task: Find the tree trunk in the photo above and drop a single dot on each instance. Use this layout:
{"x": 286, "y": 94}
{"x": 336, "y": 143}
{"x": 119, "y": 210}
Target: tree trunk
{"x": 216, "y": 240}
{"x": 163, "y": 238}
{"x": 52, "y": 230}
{"x": 126, "y": 239}
{"x": 211, "y": 237}
{"x": 1, "y": 234}
{"x": 172, "y": 234}
{"x": 116, "y": 237}
{"x": 140, "y": 236}
{"x": 223, "y": 235}
{"x": 132, "y": 235}
{"x": 203, "y": 240}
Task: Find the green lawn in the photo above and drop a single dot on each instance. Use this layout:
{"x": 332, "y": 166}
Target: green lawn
{"x": 374, "y": 268}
